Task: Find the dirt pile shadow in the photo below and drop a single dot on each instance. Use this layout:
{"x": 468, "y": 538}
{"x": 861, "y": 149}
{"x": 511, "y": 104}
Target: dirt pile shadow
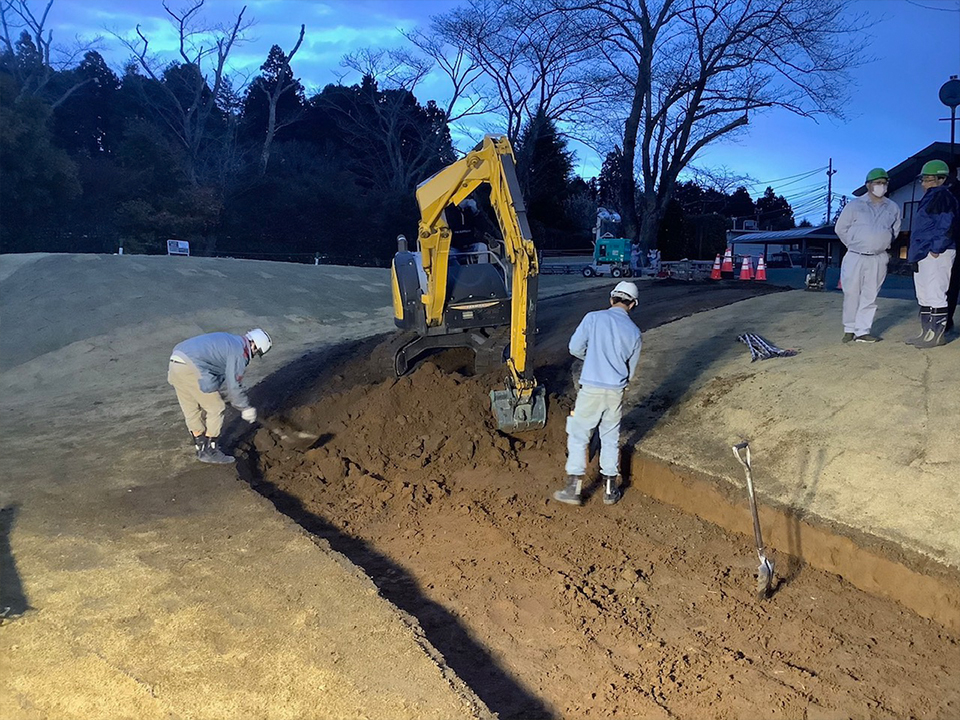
{"x": 393, "y": 444}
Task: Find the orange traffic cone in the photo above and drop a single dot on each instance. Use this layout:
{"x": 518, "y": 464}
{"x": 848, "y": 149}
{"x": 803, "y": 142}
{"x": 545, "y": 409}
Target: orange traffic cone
{"x": 727, "y": 266}
{"x": 715, "y": 273}
{"x": 761, "y": 269}
{"x": 746, "y": 270}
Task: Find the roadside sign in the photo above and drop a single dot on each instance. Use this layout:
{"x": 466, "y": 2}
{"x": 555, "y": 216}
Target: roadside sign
{"x": 178, "y": 247}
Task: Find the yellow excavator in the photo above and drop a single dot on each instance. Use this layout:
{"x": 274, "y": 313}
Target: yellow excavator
{"x": 461, "y": 302}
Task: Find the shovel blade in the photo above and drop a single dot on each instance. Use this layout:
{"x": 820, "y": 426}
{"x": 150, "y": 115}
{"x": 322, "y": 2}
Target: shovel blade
{"x": 764, "y": 578}
{"x": 514, "y": 415}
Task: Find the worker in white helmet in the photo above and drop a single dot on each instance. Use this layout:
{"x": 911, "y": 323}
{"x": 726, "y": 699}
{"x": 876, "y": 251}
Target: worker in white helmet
{"x": 206, "y": 371}
{"x": 608, "y": 342}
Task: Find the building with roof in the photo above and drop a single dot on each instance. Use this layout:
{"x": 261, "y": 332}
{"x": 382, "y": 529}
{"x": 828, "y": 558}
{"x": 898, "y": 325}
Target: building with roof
{"x": 905, "y": 190}
{"x": 797, "y": 247}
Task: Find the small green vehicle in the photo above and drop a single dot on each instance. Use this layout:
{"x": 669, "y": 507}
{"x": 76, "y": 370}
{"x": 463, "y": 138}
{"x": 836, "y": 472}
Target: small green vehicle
{"x": 611, "y": 254}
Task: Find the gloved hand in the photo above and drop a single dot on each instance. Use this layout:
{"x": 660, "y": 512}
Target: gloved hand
{"x": 249, "y": 414}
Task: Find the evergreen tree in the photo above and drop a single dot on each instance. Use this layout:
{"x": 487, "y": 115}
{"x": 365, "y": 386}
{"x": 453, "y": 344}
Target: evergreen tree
{"x": 89, "y": 120}
{"x": 774, "y": 212}
{"x": 740, "y": 205}
{"x": 545, "y": 171}
{"x": 610, "y": 182}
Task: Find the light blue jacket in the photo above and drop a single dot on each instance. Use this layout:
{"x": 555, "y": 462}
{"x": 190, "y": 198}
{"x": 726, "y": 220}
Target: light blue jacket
{"x": 608, "y": 342}
{"x": 222, "y": 359}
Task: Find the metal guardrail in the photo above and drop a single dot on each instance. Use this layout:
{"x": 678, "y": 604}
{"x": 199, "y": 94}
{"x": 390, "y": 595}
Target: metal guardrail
{"x": 561, "y": 269}
{"x": 676, "y": 269}
{"x": 686, "y": 269}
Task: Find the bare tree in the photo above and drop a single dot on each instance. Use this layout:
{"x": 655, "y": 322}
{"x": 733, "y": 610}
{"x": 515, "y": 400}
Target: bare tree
{"x": 467, "y": 97}
{"x": 283, "y": 82}
{"x": 531, "y": 59}
{"x": 399, "y": 142}
{"x": 692, "y": 71}
{"x": 34, "y": 60}
{"x": 203, "y": 51}
{"x": 722, "y": 179}
{"x": 393, "y": 69}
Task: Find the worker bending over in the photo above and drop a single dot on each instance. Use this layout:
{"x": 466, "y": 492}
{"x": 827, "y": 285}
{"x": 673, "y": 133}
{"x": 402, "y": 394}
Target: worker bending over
{"x": 206, "y": 370}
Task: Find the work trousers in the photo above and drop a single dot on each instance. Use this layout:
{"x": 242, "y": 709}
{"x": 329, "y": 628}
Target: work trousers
{"x": 185, "y": 379}
{"x": 933, "y": 278}
{"x": 595, "y": 407}
{"x": 861, "y": 277}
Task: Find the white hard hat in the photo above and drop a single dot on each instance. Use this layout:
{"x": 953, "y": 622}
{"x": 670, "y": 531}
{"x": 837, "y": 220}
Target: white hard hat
{"x": 626, "y": 290}
{"x": 259, "y": 338}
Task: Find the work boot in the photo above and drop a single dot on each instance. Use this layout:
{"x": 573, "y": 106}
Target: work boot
{"x": 847, "y": 337}
{"x": 571, "y": 494}
{"x": 611, "y": 491}
{"x": 924, "y": 319}
{"x": 211, "y": 453}
{"x": 933, "y": 330}
{"x": 868, "y": 338}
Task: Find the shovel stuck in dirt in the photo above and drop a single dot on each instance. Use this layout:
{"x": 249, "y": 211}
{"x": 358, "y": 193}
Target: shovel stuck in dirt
{"x": 765, "y": 571}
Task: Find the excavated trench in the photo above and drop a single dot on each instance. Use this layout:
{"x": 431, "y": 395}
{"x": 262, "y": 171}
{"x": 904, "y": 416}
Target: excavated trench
{"x": 643, "y": 609}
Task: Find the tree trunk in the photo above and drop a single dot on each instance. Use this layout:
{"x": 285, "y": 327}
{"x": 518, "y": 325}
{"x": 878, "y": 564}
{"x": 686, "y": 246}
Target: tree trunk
{"x": 268, "y": 140}
{"x": 628, "y": 185}
{"x": 649, "y": 223}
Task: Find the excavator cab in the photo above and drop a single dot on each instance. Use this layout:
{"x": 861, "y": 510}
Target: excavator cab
{"x": 480, "y": 297}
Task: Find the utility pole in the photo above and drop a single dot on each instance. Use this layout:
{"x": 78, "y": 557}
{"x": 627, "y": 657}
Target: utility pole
{"x": 830, "y": 173}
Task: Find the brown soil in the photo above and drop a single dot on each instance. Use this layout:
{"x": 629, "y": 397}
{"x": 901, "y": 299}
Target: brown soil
{"x": 545, "y": 610}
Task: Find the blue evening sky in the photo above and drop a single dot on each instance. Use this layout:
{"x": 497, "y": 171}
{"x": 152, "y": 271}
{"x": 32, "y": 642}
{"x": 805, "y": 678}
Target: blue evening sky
{"x": 894, "y": 110}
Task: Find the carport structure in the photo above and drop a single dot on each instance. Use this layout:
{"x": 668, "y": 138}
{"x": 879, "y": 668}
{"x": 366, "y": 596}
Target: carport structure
{"x": 808, "y": 241}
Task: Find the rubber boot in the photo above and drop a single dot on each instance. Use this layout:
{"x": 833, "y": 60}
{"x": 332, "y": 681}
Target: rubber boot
{"x": 211, "y": 453}
{"x": 571, "y": 494}
{"x": 611, "y": 491}
{"x": 924, "y": 321}
{"x": 934, "y": 329}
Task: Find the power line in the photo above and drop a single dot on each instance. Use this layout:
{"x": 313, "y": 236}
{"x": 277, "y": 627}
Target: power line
{"x": 789, "y": 177}
{"x": 941, "y": 9}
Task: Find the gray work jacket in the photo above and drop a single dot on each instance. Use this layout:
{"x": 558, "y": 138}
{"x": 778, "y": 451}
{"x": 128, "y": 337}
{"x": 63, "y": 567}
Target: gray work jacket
{"x": 222, "y": 359}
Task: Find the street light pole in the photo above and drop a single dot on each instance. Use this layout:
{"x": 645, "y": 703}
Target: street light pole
{"x": 950, "y": 96}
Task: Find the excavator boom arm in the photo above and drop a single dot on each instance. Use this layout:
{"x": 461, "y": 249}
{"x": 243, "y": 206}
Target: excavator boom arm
{"x": 491, "y": 163}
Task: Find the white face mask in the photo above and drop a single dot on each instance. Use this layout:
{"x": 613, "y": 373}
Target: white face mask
{"x": 878, "y": 190}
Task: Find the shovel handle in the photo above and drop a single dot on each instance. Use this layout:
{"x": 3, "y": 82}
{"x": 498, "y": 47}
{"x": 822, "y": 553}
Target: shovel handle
{"x": 745, "y": 461}
{"x": 736, "y": 453}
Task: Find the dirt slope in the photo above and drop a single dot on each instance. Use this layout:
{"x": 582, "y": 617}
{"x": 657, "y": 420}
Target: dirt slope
{"x": 145, "y": 584}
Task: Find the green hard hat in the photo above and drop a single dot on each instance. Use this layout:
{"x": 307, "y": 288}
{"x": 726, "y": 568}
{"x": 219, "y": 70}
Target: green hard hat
{"x": 935, "y": 167}
{"x": 877, "y": 174}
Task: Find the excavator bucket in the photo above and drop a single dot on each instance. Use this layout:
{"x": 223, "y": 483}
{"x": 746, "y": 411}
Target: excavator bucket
{"x": 517, "y": 415}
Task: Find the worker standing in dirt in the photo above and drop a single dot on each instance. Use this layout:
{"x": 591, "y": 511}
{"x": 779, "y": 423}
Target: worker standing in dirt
{"x": 866, "y": 226}
{"x": 933, "y": 248}
{"x": 608, "y": 342}
{"x": 206, "y": 370}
